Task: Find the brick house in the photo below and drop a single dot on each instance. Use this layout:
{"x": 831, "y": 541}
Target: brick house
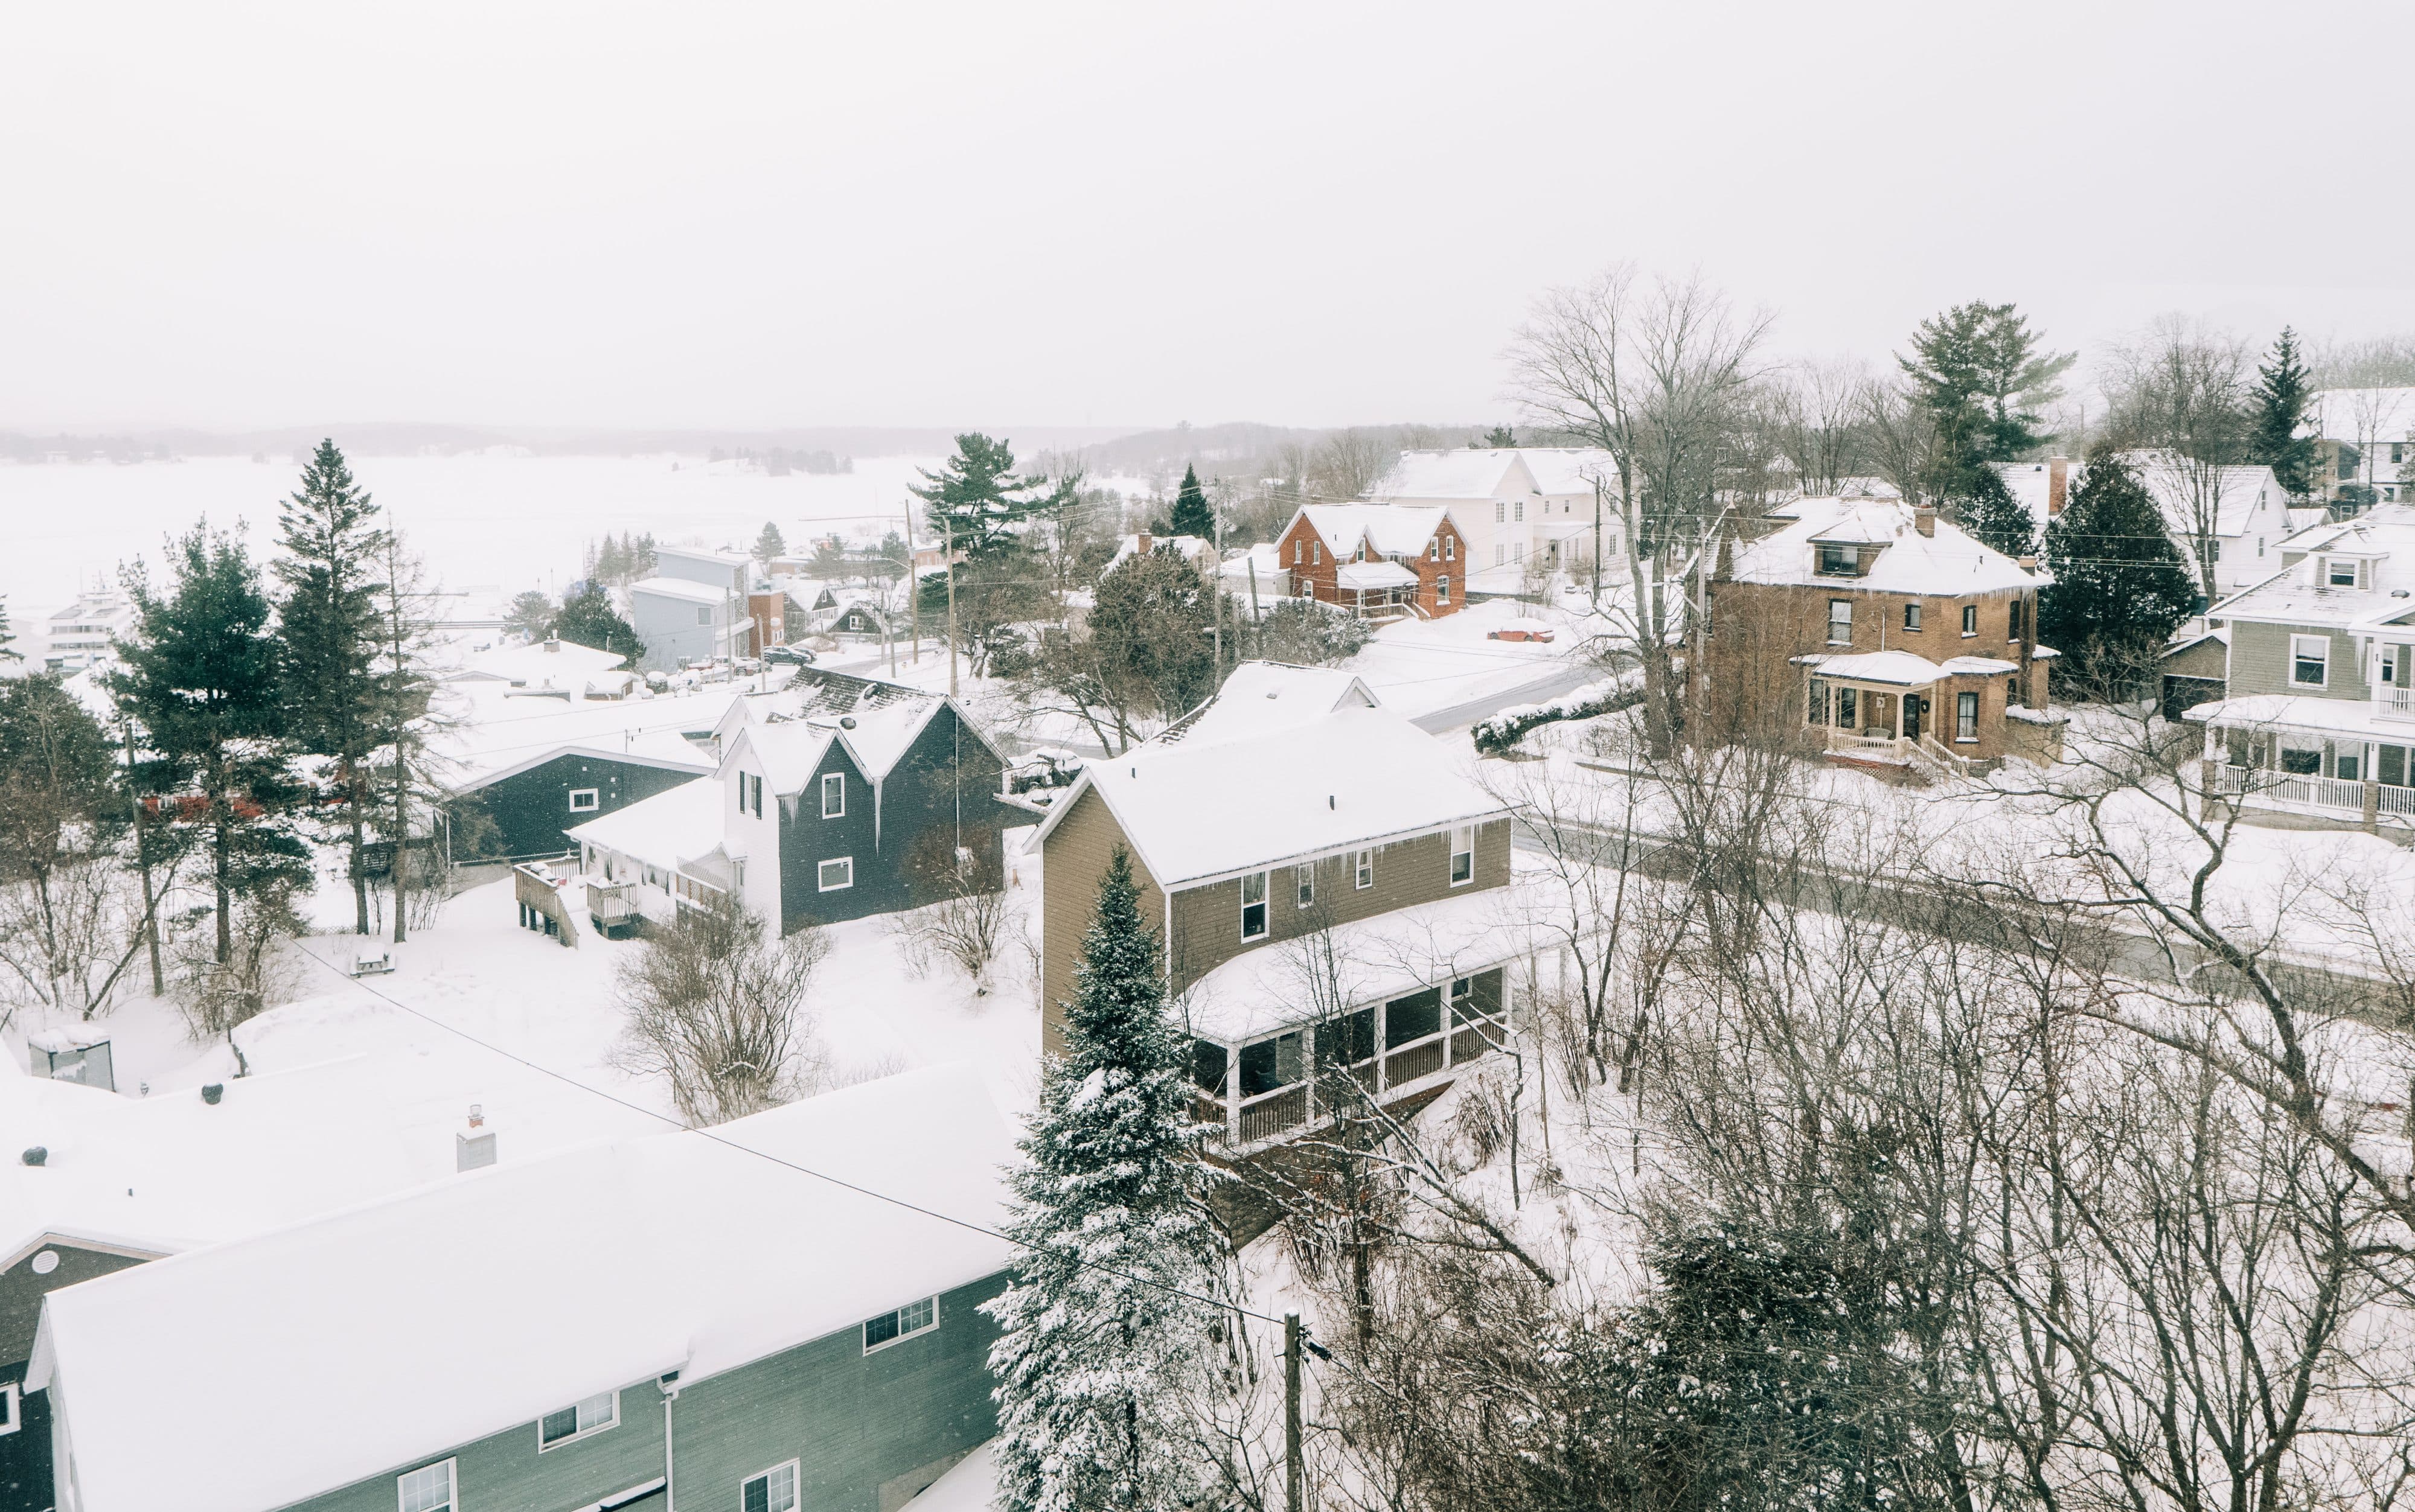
{"x": 1383, "y": 560}
{"x": 1886, "y": 635}
{"x": 1291, "y": 829}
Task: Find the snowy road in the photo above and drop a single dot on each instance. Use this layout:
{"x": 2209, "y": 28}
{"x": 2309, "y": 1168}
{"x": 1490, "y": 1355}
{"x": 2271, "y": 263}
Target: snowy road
{"x": 1562, "y": 678}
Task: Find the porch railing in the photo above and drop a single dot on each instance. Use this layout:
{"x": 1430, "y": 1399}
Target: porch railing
{"x": 2394, "y": 703}
{"x": 1274, "y": 1113}
{"x": 2290, "y": 788}
{"x": 1882, "y": 747}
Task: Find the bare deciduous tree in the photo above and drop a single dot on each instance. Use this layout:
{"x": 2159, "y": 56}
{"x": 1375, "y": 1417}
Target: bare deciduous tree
{"x": 717, "y": 1008}
{"x": 2179, "y": 391}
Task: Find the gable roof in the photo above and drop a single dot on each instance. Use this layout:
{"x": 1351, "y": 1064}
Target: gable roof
{"x": 390, "y": 1334}
{"x": 880, "y": 721}
{"x": 668, "y": 829}
{"x": 684, "y": 589}
{"x": 1463, "y": 472}
{"x": 1259, "y": 697}
{"x": 1385, "y": 528}
{"x": 1194, "y": 811}
{"x": 559, "y": 664}
{"x": 2298, "y": 595}
{"x": 1949, "y": 561}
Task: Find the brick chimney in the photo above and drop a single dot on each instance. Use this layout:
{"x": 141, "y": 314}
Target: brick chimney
{"x": 1923, "y": 519}
{"x": 1140, "y": 543}
{"x": 2058, "y": 485}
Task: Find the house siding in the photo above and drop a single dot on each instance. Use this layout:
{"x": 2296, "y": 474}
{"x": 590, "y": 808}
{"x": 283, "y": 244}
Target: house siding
{"x": 530, "y": 809}
{"x": 1072, "y": 860}
{"x": 25, "y": 1454}
{"x": 1316, "y": 580}
{"x": 1208, "y": 920}
{"x": 864, "y": 1427}
{"x": 940, "y": 793}
{"x": 2259, "y": 662}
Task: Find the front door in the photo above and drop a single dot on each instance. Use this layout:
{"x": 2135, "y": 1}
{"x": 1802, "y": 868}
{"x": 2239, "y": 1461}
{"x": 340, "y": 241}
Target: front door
{"x": 1913, "y": 704}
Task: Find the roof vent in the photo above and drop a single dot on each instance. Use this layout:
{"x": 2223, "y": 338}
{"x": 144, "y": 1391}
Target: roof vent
{"x": 36, "y": 1155}
{"x": 1329, "y": 802}
{"x": 846, "y": 721}
{"x": 212, "y": 1091}
{"x": 2398, "y": 592}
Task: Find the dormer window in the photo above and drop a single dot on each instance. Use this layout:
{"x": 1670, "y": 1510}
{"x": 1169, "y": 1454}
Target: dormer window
{"x": 2340, "y": 573}
{"x": 1839, "y": 561}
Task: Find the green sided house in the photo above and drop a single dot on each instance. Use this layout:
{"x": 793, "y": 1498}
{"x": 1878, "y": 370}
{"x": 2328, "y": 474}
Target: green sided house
{"x": 682, "y": 1320}
{"x": 2318, "y": 719}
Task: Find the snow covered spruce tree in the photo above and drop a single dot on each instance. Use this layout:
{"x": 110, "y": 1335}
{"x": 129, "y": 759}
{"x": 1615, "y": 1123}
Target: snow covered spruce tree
{"x": 328, "y": 635}
{"x": 1192, "y": 516}
{"x": 1100, "y": 1334}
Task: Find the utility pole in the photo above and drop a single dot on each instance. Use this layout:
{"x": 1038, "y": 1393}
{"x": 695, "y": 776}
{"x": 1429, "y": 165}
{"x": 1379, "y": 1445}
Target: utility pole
{"x": 1216, "y": 590}
{"x": 1597, "y": 542}
{"x": 1256, "y": 625}
{"x": 948, "y": 551}
{"x": 1291, "y": 1409}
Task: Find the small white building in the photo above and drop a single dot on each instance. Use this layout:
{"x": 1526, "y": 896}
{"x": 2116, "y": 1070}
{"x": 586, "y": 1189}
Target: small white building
{"x": 1516, "y": 502}
{"x": 81, "y": 636}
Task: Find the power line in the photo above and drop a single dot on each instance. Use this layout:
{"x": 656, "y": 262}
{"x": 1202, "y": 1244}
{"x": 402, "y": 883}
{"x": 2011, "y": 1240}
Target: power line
{"x": 765, "y": 1155}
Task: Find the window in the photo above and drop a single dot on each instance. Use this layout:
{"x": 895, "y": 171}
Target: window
{"x": 1518, "y": 551}
{"x": 834, "y": 875}
{"x": 1298, "y": 552}
{"x": 1518, "y": 512}
{"x": 1849, "y": 708}
{"x": 2399, "y": 451}
{"x": 1463, "y": 855}
{"x": 1271, "y": 1065}
{"x": 833, "y": 795}
{"x": 773, "y": 1491}
{"x": 1817, "y": 712}
{"x": 1253, "y": 907}
{"x": 428, "y": 1488}
{"x": 583, "y": 800}
{"x": 1449, "y": 548}
{"x": 750, "y": 794}
{"x": 2310, "y": 661}
{"x": 1966, "y": 716}
{"x": 1362, "y": 869}
{"x": 704, "y": 616}
{"x": 1500, "y": 552}
{"x": 1434, "y": 551}
{"x": 1970, "y": 618}
{"x": 594, "y": 1416}
{"x": 1316, "y": 554}
{"x": 1307, "y": 877}
{"x": 1841, "y": 561}
{"x": 2259, "y": 545}
{"x": 1442, "y": 591}
{"x": 9, "y": 1403}
{"x": 1500, "y": 512}
{"x": 1911, "y": 616}
{"x": 1841, "y": 621}
{"x": 2349, "y": 764}
{"x": 2217, "y": 551}
{"x": 2301, "y": 763}
{"x": 2015, "y": 614}
{"x": 2342, "y": 574}
{"x": 911, "y": 1319}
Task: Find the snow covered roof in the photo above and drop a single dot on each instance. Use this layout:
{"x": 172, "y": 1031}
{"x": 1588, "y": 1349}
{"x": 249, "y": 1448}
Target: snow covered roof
{"x": 2361, "y": 416}
{"x": 680, "y": 589}
{"x": 1261, "y": 698}
{"x": 1192, "y": 548}
{"x": 1568, "y": 470}
{"x": 887, "y": 715}
{"x": 1461, "y": 472}
{"x": 2283, "y": 710}
{"x": 1902, "y": 668}
{"x": 1193, "y": 812}
{"x": 1385, "y": 528}
{"x": 257, "y": 1373}
{"x": 674, "y": 826}
{"x": 2382, "y": 537}
{"x": 2030, "y": 483}
{"x": 558, "y": 663}
{"x": 497, "y": 736}
{"x": 155, "y": 1174}
{"x": 697, "y": 553}
{"x": 1368, "y": 577}
{"x": 1947, "y": 562}
{"x": 1261, "y": 991}
{"x": 2239, "y": 491}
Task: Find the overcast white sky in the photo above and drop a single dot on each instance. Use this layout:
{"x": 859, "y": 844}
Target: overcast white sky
{"x": 808, "y": 213}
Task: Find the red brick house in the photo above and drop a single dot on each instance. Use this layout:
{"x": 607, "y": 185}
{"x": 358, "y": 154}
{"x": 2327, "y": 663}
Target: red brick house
{"x": 1381, "y": 560}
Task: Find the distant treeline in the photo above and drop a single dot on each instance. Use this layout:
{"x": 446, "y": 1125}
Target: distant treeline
{"x": 779, "y": 461}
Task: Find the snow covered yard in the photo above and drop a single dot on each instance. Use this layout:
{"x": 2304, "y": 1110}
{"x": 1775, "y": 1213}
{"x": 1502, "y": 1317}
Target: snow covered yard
{"x": 1421, "y": 666}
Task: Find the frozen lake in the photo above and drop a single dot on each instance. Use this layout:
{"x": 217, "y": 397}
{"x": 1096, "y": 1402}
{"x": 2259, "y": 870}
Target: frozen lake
{"x": 480, "y": 521}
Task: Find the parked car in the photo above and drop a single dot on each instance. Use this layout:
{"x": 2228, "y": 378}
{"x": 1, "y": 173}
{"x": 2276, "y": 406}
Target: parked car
{"x": 788, "y": 657}
{"x": 1524, "y": 630}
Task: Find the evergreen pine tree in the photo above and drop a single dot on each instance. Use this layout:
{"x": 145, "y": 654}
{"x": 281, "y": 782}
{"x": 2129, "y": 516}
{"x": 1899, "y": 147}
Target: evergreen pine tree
{"x": 1095, "y": 1341}
{"x": 200, "y": 675}
{"x": 1978, "y": 370}
{"x": 588, "y": 619}
{"x": 2283, "y": 392}
{"x": 769, "y": 544}
{"x": 1190, "y": 513}
{"x": 9, "y": 651}
{"x": 2120, "y": 586}
{"x": 1500, "y": 437}
{"x": 611, "y": 562}
{"x": 532, "y": 611}
{"x": 327, "y": 637}
{"x": 1993, "y": 517}
{"x": 977, "y": 500}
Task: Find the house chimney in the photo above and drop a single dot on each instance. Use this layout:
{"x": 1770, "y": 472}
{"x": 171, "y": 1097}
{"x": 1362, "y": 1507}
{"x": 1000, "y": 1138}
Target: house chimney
{"x": 475, "y": 1147}
{"x": 1141, "y": 544}
{"x": 1923, "y": 519}
{"x": 2058, "y": 485}
{"x": 2028, "y": 564}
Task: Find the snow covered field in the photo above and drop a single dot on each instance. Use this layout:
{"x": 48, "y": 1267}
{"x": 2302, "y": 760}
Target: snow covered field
{"x": 481, "y": 520}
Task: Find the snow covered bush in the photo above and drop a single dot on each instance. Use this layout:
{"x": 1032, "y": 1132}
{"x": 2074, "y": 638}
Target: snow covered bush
{"x": 1102, "y": 1331}
{"x": 1504, "y": 728}
{"x": 717, "y": 1008}
{"x": 1308, "y": 633}
{"x": 969, "y": 925}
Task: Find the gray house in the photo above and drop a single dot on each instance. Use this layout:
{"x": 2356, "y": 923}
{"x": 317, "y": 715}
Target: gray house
{"x": 2317, "y": 718}
{"x": 673, "y": 1319}
{"x": 838, "y": 798}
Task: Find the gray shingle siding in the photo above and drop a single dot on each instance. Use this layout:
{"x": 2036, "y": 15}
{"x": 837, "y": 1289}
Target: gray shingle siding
{"x": 530, "y": 809}
{"x": 947, "y": 777}
{"x": 2259, "y": 662}
{"x": 855, "y": 1422}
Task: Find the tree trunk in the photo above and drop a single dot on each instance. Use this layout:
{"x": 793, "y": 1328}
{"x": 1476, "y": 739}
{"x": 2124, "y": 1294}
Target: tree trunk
{"x": 219, "y": 881}
{"x": 401, "y": 872}
{"x": 354, "y": 799}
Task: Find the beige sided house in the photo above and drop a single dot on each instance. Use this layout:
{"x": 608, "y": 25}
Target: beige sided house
{"x": 1329, "y": 890}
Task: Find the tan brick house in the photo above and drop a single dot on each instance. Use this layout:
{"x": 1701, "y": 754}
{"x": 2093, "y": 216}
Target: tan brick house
{"x": 1329, "y": 890}
{"x": 1886, "y": 635}
{"x": 1377, "y": 560}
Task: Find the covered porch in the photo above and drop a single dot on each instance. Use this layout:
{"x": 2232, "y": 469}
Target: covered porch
{"x": 1376, "y": 590}
{"x": 1898, "y": 708}
{"x": 2327, "y": 758}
